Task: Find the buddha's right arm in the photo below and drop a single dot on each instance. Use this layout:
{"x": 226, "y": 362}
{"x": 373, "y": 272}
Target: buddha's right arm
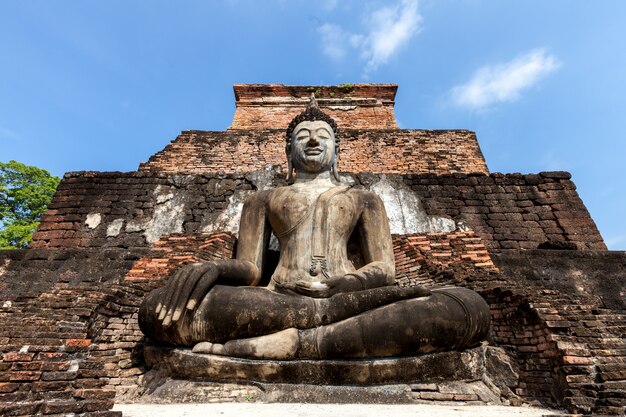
{"x": 254, "y": 237}
{"x": 190, "y": 284}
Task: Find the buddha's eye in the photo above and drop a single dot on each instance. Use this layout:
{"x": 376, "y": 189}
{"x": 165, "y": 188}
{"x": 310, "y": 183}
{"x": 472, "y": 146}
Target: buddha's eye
{"x": 323, "y": 134}
{"x": 303, "y": 135}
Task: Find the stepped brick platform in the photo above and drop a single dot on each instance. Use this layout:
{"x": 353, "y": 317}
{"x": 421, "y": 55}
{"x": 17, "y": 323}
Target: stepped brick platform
{"x": 355, "y": 106}
{"x": 69, "y": 339}
{"x": 510, "y": 211}
{"x": 381, "y": 151}
{"x": 478, "y": 375}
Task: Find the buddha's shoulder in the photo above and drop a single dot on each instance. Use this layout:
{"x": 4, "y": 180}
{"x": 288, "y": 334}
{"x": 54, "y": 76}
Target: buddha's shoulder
{"x": 364, "y": 196}
{"x": 258, "y": 198}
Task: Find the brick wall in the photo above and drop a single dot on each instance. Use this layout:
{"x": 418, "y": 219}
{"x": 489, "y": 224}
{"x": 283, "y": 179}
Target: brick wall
{"x": 506, "y": 211}
{"x": 378, "y": 151}
{"x": 562, "y": 314}
{"x": 421, "y": 256}
{"x": 131, "y": 199}
{"x": 512, "y": 211}
{"x": 558, "y": 313}
{"x": 49, "y": 316}
{"x": 355, "y": 106}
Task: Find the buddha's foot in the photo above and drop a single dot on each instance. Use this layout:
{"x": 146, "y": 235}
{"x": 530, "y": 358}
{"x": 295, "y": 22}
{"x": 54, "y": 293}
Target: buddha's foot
{"x": 279, "y": 345}
{"x": 208, "y": 347}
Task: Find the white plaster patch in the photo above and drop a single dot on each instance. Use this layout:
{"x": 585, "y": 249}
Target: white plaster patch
{"x": 4, "y": 266}
{"x": 162, "y": 198}
{"x": 347, "y": 179}
{"x": 168, "y": 215}
{"x": 443, "y": 224}
{"x": 263, "y": 180}
{"x": 463, "y": 227}
{"x": 342, "y": 108}
{"x": 115, "y": 227}
{"x": 93, "y": 220}
{"x": 24, "y": 349}
{"x": 228, "y": 219}
{"x": 74, "y": 365}
{"x": 405, "y": 211}
{"x": 134, "y": 226}
{"x": 7, "y": 304}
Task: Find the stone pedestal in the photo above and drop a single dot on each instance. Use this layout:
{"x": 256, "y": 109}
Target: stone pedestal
{"x": 479, "y": 375}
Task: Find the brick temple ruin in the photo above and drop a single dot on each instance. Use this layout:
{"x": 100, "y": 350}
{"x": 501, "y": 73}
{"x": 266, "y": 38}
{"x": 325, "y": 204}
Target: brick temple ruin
{"x": 69, "y": 338}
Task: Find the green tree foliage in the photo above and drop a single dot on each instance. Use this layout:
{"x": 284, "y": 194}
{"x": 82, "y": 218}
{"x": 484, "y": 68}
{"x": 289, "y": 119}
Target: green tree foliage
{"x": 25, "y": 192}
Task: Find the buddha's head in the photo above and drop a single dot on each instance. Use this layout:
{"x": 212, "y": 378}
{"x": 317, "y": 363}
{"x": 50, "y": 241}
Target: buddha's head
{"x": 312, "y": 144}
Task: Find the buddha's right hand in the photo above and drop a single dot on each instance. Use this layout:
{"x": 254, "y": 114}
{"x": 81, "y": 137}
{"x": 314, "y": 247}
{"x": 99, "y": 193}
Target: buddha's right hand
{"x": 185, "y": 289}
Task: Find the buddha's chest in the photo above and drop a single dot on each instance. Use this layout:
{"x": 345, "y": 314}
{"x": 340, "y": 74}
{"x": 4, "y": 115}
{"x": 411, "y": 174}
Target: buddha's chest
{"x": 292, "y": 211}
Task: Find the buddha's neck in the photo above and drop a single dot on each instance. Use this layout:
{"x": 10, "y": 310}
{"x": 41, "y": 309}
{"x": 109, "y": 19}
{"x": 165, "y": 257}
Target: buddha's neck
{"x": 317, "y": 179}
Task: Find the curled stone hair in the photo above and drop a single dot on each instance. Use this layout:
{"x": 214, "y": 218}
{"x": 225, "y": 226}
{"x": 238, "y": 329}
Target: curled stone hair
{"x": 311, "y": 114}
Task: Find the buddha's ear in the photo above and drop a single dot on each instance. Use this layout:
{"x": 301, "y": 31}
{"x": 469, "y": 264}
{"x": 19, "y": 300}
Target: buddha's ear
{"x": 333, "y": 169}
{"x": 289, "y": 165}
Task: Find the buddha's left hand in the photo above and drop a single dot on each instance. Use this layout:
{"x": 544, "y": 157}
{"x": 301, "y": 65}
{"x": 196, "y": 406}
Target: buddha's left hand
{"x": 327, "y": 288}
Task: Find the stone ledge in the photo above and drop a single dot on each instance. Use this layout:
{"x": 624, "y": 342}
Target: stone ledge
{"x": 481, "y": 375}
{"x": 468, "y": 365}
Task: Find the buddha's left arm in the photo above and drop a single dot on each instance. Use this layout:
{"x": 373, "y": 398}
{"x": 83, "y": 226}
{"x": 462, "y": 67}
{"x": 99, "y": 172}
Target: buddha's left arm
{"x": 376, "y": 245}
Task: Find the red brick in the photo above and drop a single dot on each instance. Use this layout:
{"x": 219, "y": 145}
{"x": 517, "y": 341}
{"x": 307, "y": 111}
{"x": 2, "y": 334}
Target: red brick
{"x": 18, "y": 357}
{"x": 25, "y": 376}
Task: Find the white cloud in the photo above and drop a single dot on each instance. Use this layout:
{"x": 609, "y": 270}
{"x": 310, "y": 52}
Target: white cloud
{"x": 391, "y": 28}
{"x": 329, "y": 4}
{"x": 334, "y": 40}
{"x": 504, "y": 82}
{"x": 388, "y": 29}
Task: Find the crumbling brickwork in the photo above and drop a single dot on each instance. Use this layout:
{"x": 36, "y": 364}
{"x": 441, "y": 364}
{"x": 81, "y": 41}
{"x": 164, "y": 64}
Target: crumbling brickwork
{"x": 48, "y": 319}
{"x": 356, "y": 106}
{"x": 506, "y": 211}
{"x": 420, "y": 256}
{"x": 378, "y": 151}
{"x": 512, "y": 211}
{"x": 126, "y": 209}
{"x": 562, "y": 315}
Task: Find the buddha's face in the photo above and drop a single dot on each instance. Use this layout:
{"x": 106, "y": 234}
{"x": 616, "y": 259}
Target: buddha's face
{"x": 313, "y": 146}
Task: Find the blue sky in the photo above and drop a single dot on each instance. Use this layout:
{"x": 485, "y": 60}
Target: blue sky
{"x": 91, "y": 85}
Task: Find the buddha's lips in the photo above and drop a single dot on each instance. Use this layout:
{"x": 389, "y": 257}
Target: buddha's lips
{"x": 313, "y": 151}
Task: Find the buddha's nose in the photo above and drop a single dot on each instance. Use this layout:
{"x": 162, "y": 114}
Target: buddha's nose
{"x": 313, "y": 140}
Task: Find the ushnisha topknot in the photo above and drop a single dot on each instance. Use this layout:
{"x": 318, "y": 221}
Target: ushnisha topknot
{"x": 312, "y": 113}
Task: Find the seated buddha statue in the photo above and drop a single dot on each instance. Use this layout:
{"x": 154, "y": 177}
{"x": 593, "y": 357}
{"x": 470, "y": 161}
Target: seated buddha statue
{"x": 319, "y": 303}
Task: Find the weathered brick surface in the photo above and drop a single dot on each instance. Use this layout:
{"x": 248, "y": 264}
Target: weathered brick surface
{"x": 420, "y": 256}
{"x": 171, "y": 252}
{"x": 50, "y": 316}
{"x": 131, "y": 199}
{"x": 562, "y": 314}
{"x": 511, "y": 211}
{"x": 378, "y": 151}
{"x": 356, "y": 106}
{"x": 569, "y": 346}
